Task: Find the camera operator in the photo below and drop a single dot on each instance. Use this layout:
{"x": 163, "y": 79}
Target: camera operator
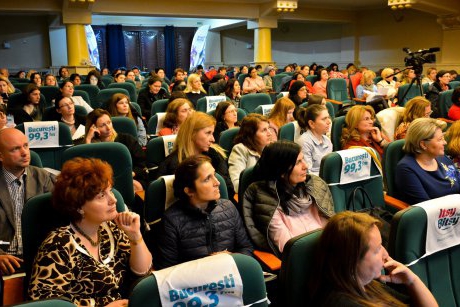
{"x": 440, "y": 85}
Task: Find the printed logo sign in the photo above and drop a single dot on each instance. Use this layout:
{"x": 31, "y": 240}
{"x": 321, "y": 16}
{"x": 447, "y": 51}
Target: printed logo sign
{"x": 356, "y": 165}
{"x": 42, "y": 134}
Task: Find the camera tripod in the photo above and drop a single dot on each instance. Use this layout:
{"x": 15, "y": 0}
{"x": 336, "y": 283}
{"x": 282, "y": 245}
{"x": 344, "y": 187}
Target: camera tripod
{"x": 417, "y": 80}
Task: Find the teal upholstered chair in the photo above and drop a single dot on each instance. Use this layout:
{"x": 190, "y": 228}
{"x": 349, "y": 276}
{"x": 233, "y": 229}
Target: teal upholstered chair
{"x": 312, "y": 79}
{"x": 83, "y": 94}
{"x": 51, "y": 114}
{"x": 106, "y": 94}
{"x": 336, "y": 89}
{"x": 15, "y": 100}
{"x": 124, "y": 125}
{"x": 297, "y": 266}
{"x": 440, "y": 271}
{"x": 454, "y": 84}
{"x": 118, "y": 156}
{"x": 277, "y": 82}
{"x": 393, "y": 154}
{"x": 336, "y": 132}
{"x": 264, "y": 109}
{"x": 155, "y": 154}
{"x": 329, "y": 107}
{"x": 226, "y": 139}
{"x": 241, "y": 78}
{"x": 52, "y": 157}
{"x": 159, "y": 106}
{"x": 130, "y": 87}
{"x": 107, "y": 79}
{"x": 445, "y": 102}
{"x": 250, "y": 101}
{"x": 289, "y": 131}
{"x": 92, "y": 91}
{"x": 35, "y": 159}
{"x": 53, "y": 302}
{"x": 50, "y": 92}
{"x": 145, "y": 293}
{"x": 152, "y": 125}
{"x": 412, "y": 91}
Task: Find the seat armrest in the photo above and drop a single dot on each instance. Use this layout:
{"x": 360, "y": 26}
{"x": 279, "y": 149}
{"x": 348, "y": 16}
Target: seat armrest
{"x": 334, "y": 101}
{"x": 268, "y": 259}
{"x": 395, "y": 203}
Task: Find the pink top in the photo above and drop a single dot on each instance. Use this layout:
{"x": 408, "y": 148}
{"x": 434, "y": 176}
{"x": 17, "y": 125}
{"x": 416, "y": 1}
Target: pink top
{"x": 284, "y": 227}
{"x": 320, "y": 88}
{"x": 251, "y": 85}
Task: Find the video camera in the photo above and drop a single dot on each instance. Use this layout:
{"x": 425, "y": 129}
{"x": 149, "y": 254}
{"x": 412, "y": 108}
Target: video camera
{"x": 416, "y": 59}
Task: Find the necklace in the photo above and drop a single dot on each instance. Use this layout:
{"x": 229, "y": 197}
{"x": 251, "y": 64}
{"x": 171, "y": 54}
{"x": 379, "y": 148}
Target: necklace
{"x": 93, "y": 243}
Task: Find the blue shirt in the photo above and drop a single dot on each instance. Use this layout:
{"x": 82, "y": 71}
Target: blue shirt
{"x": 415, "y": 185}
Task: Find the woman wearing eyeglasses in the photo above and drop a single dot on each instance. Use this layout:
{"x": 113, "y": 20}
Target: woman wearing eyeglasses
{"x": 65, "y": 108}
{"x": 440, "y": 85}
{"x": 67, "y": 89}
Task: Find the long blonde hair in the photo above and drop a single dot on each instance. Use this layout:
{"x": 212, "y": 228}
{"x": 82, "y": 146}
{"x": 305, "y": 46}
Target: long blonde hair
{"x": 278, "y": 114}
{"x": 190, "y": 80}
{"x": 354, "y": 116}
{"x": 453, "y": 139}
{"x": 185, "y": 145}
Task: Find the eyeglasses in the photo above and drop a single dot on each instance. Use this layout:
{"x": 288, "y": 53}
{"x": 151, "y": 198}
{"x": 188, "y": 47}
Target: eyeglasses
{"x": 67, "y": 105}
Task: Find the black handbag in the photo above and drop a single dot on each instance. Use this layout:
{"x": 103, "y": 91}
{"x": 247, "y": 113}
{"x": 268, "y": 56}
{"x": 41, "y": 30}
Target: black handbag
{"x": 379, "y": 213}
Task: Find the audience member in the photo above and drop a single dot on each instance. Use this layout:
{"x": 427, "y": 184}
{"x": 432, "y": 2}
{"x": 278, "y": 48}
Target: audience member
{"x": 319, "y": 87}
{"x": 19, "y": 181}
{"x": 359, "y": 129}
{"x": 36, "y": 79}
{"x": 177, "y": 112}
{"x": 67, "y": 89}
{"x": 30, "y": 108}
{"x": 226, "y": 116}
{"x": 366, "y": 88}
{"x": 95, "y": 78}
{"x": 315, "y": 123}
{"x": 417, "y": 107}
{"x": 120, "y": 105}
{"x": 288, "y": 201}
{"x": 151, "y": 93}
{"x": 253, "y": 136}
{"x": 430, "y": 76}
{"x": 407, "y": 76}
{"x": 63, "y": 73}
{"x": 298, "y": 93}
{"x": 87, "y": 261}
{"x": 298, "y": 76}
{"x": 196, "y": 137}
{"x": 440, "y": 85}
{"x": 99, "y": 129}
{"x": 65, "y": 109}
{"x": 281, "y": 114}
{"x": 50, "y": 80}
{"x": 194, "y": 89}
{"x": 75, "y": 79}
{"x": 119, "y": 78}
{"x": 268, "y": 78}
{"x": 425, "y": 172}
{"x": 233, "y": 91}
{"x": 349, "y": 266}
{"x": 389, "y": 82}
{"x": 6, "y": 89}
{"x": 253, "y": 83}
{"x": 179, "y": 76}
{"x": 200, "y": 223}
{"x": 3, "y": 118}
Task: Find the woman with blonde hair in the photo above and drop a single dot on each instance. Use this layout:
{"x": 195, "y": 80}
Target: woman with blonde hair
{"x": 389, "y": 82}
{"x": 6, "y": 89}
{"x": 177, "y": 112}
{"x": 407, "y": 76}
{"x": 417, "y": 107}
{"x": 194, "y": 89}
{"x": 355, "y": 277}
{"x": 425, "y": 172}
{"x": 430, "y": 76}
{"x": 120, "y": 105}
{"x": 281, "y": 114}
{"x": 360, "y": 130}
{"x": 196, "y": 137}
{"x": 366, "y": 88}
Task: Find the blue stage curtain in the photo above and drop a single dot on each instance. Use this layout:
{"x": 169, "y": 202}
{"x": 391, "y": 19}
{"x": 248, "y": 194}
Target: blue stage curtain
{"x": 116, "y": 56}
{"x": 170, "y": 51}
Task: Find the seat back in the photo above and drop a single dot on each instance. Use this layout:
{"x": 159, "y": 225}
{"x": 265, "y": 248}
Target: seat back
{"x": 336, "y": 89}
{"x": 440, "y": 271}
{"x": 241, "y": 78}
{"x": 250, "y": 101}
{"x": 14, "y": 100}
{"x": 330, "y": 171}
{"x": 412, "y": 91}
{"x": 226, "y": 139}
{"x": 297, "y": 266}
{"x": 377, "y": 79}
{"x": 155, "y": 154}
{"x": 454, "y": 84}
{"x": 105, "y": 95}
{"x": 124, "y": 125}
{"x": 247, "y": 177}
{"x": 130, "y": 87}
{"x": 336, "y": 132}
{"x": 52, "y": 157}
{"x": 52, "y": 302}
{"x": 445, "y": 102}
{"x": 82, "y": 94}
{"x": 289, "y": 131}
{"x": 264, "y": 109}
{"x": 39, "y": 218}
{"x": 50, "y": 92}
{"x": 393, "y": 154}
{"x": 277, "y": 82}
{"x": 136, "y": 107}
{"x": 425, "y": 87}
{"x": 152, "y": 125}
{"x": 35, "y": 159}
{"x": 118, "y": 156}
{"x": 146, "y": 294}
{"x": 159, "y": 106}
{"x": 312, "y": 79}
{"x": 107, "y": 79}
{"x": 92, "y": 91}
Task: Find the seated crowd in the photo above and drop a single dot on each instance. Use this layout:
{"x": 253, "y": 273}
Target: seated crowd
{"x": 286, "y": 198}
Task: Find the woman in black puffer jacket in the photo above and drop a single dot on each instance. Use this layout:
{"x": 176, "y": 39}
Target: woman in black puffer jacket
{"x": 200, "y": 224}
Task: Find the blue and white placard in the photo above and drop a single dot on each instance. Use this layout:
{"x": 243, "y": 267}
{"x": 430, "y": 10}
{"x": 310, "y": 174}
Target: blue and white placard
{"x": 168, "y": 142}
{"x": 213, "y": 101}
{"x": 42, "y": 134}
{"x": 356, "y": 165}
